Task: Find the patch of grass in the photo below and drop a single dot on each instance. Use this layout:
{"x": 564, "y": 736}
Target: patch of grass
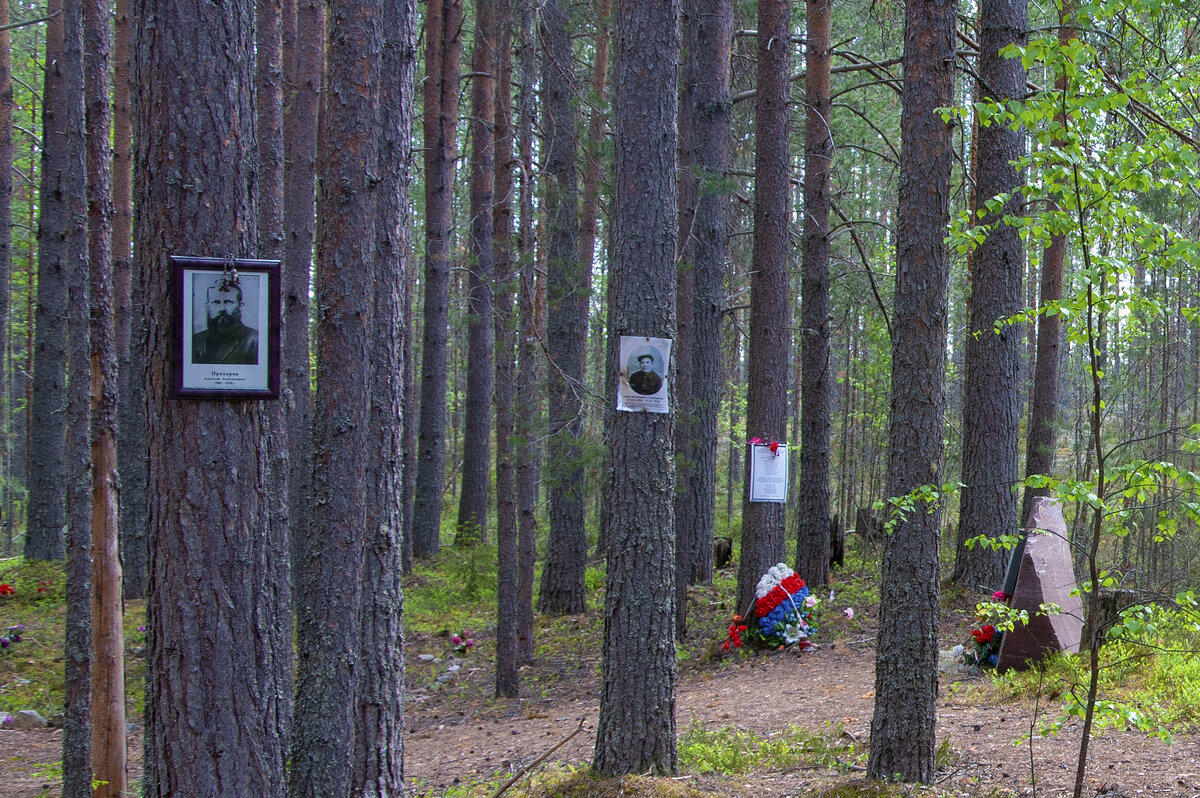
{"x": 585, "y": 785}
{"x": 31, "y": 672}
{"x": 730, "y": 751}
{"x": 452, "y": 590}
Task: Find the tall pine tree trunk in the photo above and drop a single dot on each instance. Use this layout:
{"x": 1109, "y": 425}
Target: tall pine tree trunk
{"x": 303, "y": 45}
{"x": 77, "y": 649}
{"x": 219, "y": 624}
{"x": 108, "y": 663}
{"x": 507, "y": 560}
{"x": 379, "y": 739}
{"x": 473, "y": 501}
{"x": 902, "y": 730}
{"x": 709, "y": 254}
{"x": 47, "y": 467}
{"x": 766, "y": 394}
{"x": 330, "y": 572}
{"x": 529, "y": 371}
{"x": 817, "y": 374}
{"x": 1043, "y": 405}
{"x": 443, "y": 22}
{"x": 704, "y": 245}
{"x": 636, "y": 727}
{"x": 6, "y": 191}
{"x": 128, "y": 335}
{"x": 567, "y": 285}
{"x": 992, "y": 398}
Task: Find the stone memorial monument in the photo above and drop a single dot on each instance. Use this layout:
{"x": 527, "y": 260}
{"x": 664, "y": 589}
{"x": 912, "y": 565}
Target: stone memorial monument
{"x": 1045, "y": 576}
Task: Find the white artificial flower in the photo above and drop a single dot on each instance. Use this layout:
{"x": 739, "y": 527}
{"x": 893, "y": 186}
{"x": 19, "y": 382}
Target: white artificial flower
{"x": 811, "y": 601}
{"x": 794, "y": 631}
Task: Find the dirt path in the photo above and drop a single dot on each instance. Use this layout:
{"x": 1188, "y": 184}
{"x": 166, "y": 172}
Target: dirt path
{"x": 456, "y": 743}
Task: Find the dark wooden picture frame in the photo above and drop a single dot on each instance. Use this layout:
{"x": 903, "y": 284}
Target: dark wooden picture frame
{"x": 225, "y": 329}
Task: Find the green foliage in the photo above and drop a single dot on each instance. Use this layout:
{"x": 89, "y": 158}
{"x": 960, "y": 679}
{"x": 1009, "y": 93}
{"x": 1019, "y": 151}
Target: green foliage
{"x": 453, "y": 590}
{"x": 1149, "y": 674}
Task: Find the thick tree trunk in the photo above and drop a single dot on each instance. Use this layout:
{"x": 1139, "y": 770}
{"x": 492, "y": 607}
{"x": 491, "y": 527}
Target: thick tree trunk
{"x": 636, "y": 728}
{"x": 379, "y": 718}
{"x": 507, "y": 561}
{"x": 477, "y": 437}
{"x": 128, "y": 335}
{"x": 77, "y": 649}
{"x": 766, "y": 394}
{"x": 330, "y": 629}
{"x": 902, "y": 730}
{"x": 219, "y": 624}
{"x": 816, "y": 367}
{"x": 443, "y": 23}
{"x": 529, "y": 372}
{"x": 992, "y": 399}
{"x": 47, "y": 467}
{"x": 567, "y": 286}
{"x": 108, "y": 662}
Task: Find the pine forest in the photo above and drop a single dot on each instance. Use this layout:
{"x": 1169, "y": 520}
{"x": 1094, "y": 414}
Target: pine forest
{"x": 592, "y": 398}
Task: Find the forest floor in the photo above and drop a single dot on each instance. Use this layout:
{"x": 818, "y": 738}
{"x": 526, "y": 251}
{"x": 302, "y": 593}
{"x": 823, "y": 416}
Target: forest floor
{"x": 461, "y": 741}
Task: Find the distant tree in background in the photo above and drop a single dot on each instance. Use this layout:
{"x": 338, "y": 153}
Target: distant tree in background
{"x": 47, "y": 476}
{"x": 992, "y": 395}
{"x": 770, "y": 336}
{"x": 568, "y": 283}
{"x": 817, "y": 372}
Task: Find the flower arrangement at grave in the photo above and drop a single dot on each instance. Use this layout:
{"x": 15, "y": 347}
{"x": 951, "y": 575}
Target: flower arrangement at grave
{"x": 783, "y": 609}
{"x": 983, "y": 650}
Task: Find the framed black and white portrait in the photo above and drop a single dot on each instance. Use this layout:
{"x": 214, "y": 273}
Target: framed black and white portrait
{"x": 226, "y": 333}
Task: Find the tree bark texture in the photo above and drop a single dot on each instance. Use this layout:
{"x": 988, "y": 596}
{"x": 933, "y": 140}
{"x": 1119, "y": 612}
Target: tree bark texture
{"x": 219, "y": 651}
{"x": 77, "y": 649}
{"x": 992, "y": 396}
{"x": 1043, "y": 406}
{"x": 529, "y": 356}
{"x": 769, "y": 344}
{"x": 47, "y": 466}
{"x": 6, "y": 196}
{"x": 508, "y": 662}
{"x": 704, "y": 230}
{"x": 681, "y": 350}
{"x": 902, "y": 729}
{"x": 816, "y": 372}
{"x": 303, "y": 36}
{"x": 128, "y": 335}
{"x": 636, "y": 728}
{"x": 567, "y": 286}
{"x": 331, "y": 573}
{"x": 379, "y": 717}
{"x": 477, "y": 433}
{"x": 443, "y": 30}
{"x": 108, "y": 645}
{"x": 708, "y": 252}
